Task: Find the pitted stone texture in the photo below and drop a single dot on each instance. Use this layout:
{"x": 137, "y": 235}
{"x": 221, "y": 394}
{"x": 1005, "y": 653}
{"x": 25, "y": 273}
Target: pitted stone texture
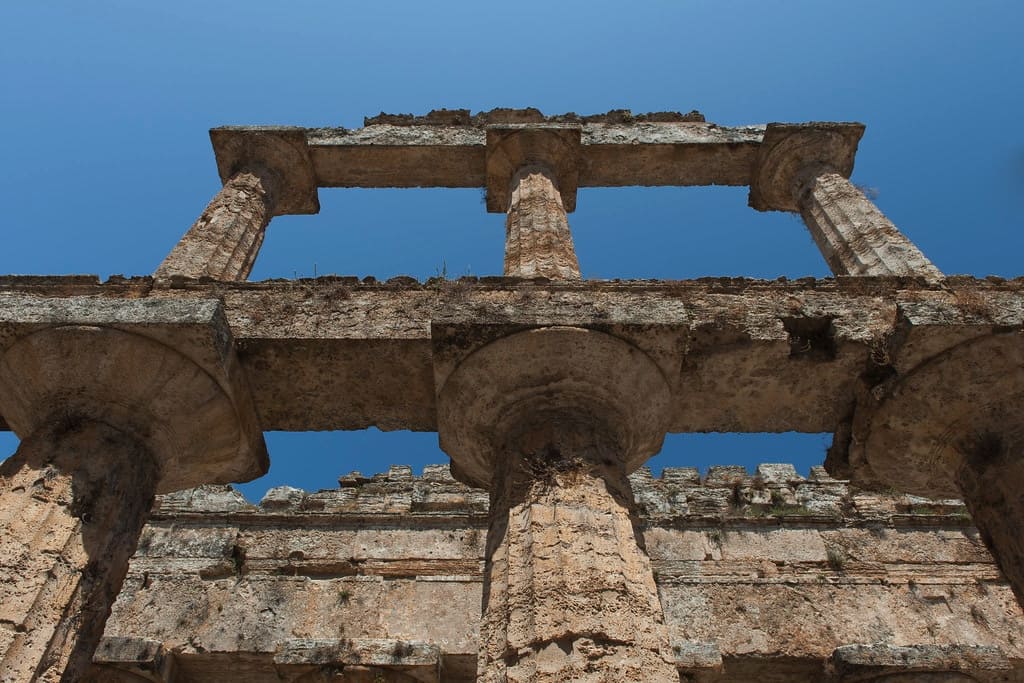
{"x": 163, "y": 370}
{"x": 569, "y": 595}
{"x": 402, "y": 559}
{"x": 854, "y": 236}
{"x": 73, "y": 501}
{"x": 225, "y": 240}
{"x": 792, "y": 153}
{"x": 512, "y": 148}
{"x": 546, "y": 376}
{"x": 538, "y": 242}
{"x": 282, "y": 152}
{"x": 920, "y": 664}
{"x": 990, "y": 478}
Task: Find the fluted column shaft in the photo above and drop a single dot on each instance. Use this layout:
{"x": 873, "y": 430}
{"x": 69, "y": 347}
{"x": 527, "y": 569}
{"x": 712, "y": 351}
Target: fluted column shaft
{"x": 224, "y": 242}
{"x": 73, "y": 501}
{"x": 569, "y": 595}
{"x": 853, "y": 235}
{"x": 538, "y": 242}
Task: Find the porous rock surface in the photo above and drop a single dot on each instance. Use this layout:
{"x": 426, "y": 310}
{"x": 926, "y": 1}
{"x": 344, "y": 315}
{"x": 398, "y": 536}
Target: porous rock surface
{"x": 770, "y": 576}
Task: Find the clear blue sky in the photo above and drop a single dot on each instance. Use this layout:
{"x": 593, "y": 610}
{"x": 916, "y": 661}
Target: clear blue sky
{"x": 106, "y": 108}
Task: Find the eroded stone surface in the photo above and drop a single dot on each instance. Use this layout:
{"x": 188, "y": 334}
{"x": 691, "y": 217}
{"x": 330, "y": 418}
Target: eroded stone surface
{"x": 73, "y": 501}
{"x": 225, "y": 240}
{"x": 538, "y": 242}
{"x": 854, "y": 236}
{"x": 777, "y": 574}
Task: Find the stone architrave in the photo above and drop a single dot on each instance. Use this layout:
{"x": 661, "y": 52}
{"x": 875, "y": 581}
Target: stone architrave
{"x": 116, "y": 402}
{"x": 532, "y": 173}
{"x": 551, "y": 421}
{"x": 266, "y": 173}
{"x": 805, "y": 168}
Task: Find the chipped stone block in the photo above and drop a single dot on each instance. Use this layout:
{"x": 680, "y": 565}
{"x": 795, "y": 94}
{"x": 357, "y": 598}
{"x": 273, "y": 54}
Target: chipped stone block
{"x": 400, "y": 473}
{"x": 681, "y": 476}
{"x": 692, "y": 655}
{"x": 726, "y": 475}
{"x": 777, "y": 473}
{"x": 206, "y": 498}
{"x": 864, "y": 662}
{"x": 438, "y": 473}
{"x": 282, "y": 497}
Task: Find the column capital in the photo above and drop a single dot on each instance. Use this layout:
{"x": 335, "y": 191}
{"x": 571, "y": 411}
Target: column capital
{"x": 510, "y": 147}
{"x": 549, "y": 375}
{"x": 279, "y": 152}
{"x": 913, "y": 431}
{"x": 793, "y": 153}
{"x": 163, "y": 371}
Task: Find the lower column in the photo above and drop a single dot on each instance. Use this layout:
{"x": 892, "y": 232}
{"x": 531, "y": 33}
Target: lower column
{"x": 568, "y": 595}
{"x": 73, "y": 501}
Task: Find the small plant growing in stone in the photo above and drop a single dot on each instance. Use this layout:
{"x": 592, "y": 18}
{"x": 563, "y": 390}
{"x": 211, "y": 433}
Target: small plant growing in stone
{"x": 836, "y": 559}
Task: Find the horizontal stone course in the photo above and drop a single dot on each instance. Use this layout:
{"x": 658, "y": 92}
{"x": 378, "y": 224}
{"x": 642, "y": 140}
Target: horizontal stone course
{"x": 750, "y": 567}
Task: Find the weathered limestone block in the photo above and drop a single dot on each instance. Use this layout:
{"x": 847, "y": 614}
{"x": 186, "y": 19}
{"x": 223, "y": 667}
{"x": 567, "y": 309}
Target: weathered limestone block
{"x": 537, "y": 238}
{"x": 73, "y": 501}
{"x": 225, "y": 240}
{"x": 570, "y": 594}
{"x": 107, "y": 419}
{"x": 920, "y": 664}
{"x": 750, "y": 591}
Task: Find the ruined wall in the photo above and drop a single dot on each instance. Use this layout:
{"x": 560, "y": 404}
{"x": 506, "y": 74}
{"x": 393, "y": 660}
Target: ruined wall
{"x": 770, "y": 576}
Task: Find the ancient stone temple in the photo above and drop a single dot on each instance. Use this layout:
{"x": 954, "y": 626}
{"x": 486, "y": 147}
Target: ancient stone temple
{"x": 545, "y": 550}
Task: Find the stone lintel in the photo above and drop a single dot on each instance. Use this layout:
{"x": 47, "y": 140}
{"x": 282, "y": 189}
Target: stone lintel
{"x": 407, "y": 655}
{"x": 611, "y": 154}
{"x": 139, "y": 658}
{"x": 512, "y": 147}
{"x": 281, "y": 151}
{"x": 135, "y": 363}
{"x": 740, "y": 355}
{"x": 793, "y": 153}
{"x": 866, "y": 662}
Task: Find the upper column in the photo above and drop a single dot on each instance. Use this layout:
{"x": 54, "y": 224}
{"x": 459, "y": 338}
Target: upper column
{"x": 805, "y": 168}
{"x": 532, "y": 173}
{"x": 266, "y": 173}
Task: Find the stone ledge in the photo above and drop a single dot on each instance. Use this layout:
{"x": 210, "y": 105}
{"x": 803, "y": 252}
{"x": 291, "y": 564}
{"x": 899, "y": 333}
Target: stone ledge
{"x": 865, "y": 662}
{"x": 774, "y": 494}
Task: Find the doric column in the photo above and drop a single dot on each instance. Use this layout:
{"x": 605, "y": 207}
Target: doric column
{"x": 73, "y": 501}
{"x": 266, "y": 173}
{"x": 552, "y": 421}
{"x": 805, "y": 168}
{"x": 224, "y": 242}
{"x": 990, "y": 479}
{"x": 532, "y": 173}
{"x": 853, "y": 235}
{"x": 537, "y": 238}
{"x": 107, "y": 419}
{"x": 952, "y": 427}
